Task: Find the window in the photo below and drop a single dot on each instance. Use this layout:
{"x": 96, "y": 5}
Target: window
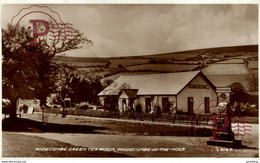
{"x": 190, "y": 104}
{"x": 147, "y": 104}
{"x": 165, "y": 104}
{"x": 206, "y": 104}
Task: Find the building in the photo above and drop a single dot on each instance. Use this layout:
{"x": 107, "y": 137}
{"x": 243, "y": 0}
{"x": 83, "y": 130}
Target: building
{"x": 185, "y": 90}
{"x": 224, "y": 74}
{"x": 228, "y": 72}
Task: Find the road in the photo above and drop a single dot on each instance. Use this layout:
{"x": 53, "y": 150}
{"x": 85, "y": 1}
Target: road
{"x": 133, "y": 141}
{"x": 112, "y": 133}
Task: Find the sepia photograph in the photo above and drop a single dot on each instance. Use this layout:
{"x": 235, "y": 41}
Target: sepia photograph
{"x": 130, "y": 81}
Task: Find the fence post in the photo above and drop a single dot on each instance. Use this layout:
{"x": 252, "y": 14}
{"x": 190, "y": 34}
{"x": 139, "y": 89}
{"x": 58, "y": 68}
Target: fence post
{"x": 174, "y": 118}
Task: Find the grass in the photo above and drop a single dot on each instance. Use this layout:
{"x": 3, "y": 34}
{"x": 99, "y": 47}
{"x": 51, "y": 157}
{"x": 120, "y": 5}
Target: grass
{"x": 142, "y": 59}
{"x": 15, "y": 145}
{"x": 84, "y": 64}
{"x": 219, "y": 51}
{"x": 250, "y": 120}
{"x": 27, "y": 125}
{"x": 127, "y": 62}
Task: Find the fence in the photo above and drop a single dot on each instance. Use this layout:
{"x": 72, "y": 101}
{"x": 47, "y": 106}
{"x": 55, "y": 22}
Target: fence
{"x": 162, "y": 117}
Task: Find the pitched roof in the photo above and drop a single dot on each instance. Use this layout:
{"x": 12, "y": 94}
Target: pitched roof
{"x": 131, "y": 93}
{"x": 227, "y": 80}
{"x": 151, "y": 84}
{"x": 225, "y": 69}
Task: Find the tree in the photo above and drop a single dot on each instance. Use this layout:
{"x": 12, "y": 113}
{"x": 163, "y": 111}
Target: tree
{"x": 108, "y": 64}
{"x": 253, "y": 82}
{"x": 30, "y": 71}
{"x": 238, "y": 93}
{"x": 237, "y": 87}
{"x": 80, "y": 86}
{"x": 107, "y": 82}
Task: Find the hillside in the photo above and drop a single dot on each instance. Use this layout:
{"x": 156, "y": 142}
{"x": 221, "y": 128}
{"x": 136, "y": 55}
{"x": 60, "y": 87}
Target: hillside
{"x": 220, "y": 51}
{"x": 167, "y": 62}
{"x": 223, "y": 65}
{"x": 232, "y": 50}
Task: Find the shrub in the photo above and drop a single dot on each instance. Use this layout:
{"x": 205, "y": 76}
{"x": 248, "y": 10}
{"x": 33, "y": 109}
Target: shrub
{"x": 83, "y": 105}
{"x": 6, "y": 104}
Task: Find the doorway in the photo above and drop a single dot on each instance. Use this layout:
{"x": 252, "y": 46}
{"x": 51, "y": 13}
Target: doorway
{"x": 190, "y": 104}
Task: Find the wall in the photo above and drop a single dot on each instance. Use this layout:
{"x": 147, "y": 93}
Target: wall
{"x": 35, "y": 103}
{"x": 101, "y": 100}
{"x": 141, "y": 100}
{"x": 198, "y": 95}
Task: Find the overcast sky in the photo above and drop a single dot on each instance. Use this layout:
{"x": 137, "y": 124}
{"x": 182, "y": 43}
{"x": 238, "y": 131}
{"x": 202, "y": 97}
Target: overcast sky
{"x": 126, "y": 30}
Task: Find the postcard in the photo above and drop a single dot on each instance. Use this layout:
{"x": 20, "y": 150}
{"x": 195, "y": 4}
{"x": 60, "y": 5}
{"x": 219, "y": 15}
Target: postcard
{"x": 128, "y": 80}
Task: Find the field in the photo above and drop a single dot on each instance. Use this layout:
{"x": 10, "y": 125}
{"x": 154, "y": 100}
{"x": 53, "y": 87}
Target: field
{"x": 220, "y": 51}
{"x": 172, "y": 62}
{"x": 114, "y": 77}
{"x": 127, "y": 62}
{"x": 162, "y": 67}
{"x": 236, "y": 51}
{"x": 84, "y": 64}
{"x": 87, "y": 68}
{"x": 232, "y": 61}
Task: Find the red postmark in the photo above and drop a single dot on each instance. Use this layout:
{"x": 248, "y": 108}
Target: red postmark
{"x": 233, "y": 131}
{"x": 46, "y": 33}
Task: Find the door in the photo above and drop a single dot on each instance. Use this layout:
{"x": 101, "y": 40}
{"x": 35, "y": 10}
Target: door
{"x": 190, "y": 104}
{"x": 105, "y": 103}
{"x": 165, "y": 104}
{"x": 124, "y": 105}
{"x": 206, "y": 104}
{"x": 147, "y": 104}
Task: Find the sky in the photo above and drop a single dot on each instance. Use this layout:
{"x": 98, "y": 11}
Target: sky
{"x": 132, "y": 30}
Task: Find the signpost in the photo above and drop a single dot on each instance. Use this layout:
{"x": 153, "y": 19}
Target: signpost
{"x": 221, "y": 129}
{"x": 67, "y": 104}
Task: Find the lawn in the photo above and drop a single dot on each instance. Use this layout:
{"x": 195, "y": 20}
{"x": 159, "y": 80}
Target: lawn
{"x": 25, "y": 146}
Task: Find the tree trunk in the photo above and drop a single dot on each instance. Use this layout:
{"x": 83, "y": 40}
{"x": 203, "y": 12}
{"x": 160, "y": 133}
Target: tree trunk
{"x": 13, "y": 110}
{"x": 43, "y": 101}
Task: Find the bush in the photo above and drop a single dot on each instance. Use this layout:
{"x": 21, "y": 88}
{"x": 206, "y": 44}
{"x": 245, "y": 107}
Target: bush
{"x": 83, "y": 106}
{"x": 6, "y": 106}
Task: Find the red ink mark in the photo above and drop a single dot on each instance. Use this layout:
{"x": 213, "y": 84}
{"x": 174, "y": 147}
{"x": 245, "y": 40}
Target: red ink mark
{"x": 35, "y": 33}
{"x": 55, "y": 33}
{"x": 239, "y": 129}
